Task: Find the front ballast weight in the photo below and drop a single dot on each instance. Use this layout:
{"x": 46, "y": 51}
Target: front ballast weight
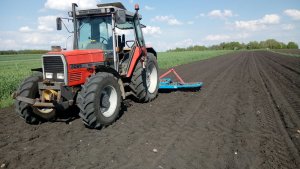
{"x": 41, "y": 98}
{"x": 169, "y": 84}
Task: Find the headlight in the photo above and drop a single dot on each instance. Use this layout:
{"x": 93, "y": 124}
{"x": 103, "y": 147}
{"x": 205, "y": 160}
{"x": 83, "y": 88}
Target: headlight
{"x": 49, "y": 75}
{"x": 60, "y": 76}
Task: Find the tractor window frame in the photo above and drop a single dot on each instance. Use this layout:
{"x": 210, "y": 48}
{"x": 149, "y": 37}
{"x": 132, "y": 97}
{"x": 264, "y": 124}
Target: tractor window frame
{"x": 138, "y": 31}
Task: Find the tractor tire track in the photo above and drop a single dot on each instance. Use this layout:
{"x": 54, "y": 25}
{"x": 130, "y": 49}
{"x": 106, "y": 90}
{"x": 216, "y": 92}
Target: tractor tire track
{"x": 289, "y": 63}
{"x": 285, "y": 106}
{"x": 275, "y": 121}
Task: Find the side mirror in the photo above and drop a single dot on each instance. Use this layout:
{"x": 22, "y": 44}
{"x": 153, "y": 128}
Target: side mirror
{"x": 58, "y": 23}
{"x": 120, "y": 17}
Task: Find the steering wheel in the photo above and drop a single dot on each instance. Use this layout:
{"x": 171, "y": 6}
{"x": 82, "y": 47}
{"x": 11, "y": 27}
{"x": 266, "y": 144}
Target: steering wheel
{"x": 101, "y": 37}
{"x": 104, "y": 39}
{"x": 128, "y": 44}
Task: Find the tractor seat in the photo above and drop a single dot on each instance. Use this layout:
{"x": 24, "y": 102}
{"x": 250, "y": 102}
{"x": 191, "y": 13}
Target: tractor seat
{"x": 127, "y": 49}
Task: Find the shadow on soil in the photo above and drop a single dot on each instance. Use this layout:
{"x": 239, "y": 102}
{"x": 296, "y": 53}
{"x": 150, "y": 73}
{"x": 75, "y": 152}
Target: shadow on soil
{"x": 178, "y": 90}
{"x": 72, "y": 113}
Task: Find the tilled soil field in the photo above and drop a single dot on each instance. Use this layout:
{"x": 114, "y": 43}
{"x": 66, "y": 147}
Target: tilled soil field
{"x": 247, "y": 115}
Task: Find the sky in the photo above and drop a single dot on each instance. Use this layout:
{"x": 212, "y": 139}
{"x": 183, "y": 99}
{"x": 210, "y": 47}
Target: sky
{"x": 31, "y": 24}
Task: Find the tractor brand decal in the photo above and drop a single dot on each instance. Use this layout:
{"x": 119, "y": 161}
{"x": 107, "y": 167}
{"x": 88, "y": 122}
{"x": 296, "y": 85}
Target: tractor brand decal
{"x": 84, "y": 65}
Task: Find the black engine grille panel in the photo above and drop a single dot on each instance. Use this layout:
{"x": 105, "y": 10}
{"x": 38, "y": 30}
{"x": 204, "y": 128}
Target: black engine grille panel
{"x": 53, "y": 64}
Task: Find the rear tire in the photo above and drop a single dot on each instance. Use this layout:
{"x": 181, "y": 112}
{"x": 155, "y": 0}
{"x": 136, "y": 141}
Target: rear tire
{"x": 99, "y": 100}
{"x": 145, "y": 82}
{"x": 29, "y": 89}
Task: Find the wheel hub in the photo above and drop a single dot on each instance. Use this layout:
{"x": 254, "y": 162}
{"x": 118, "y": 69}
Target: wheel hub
{"x": 105, "y": 101}
{"x": 108, "y": 101}
{"x": 151, "y": 78}
{"x": 148, "y": 79}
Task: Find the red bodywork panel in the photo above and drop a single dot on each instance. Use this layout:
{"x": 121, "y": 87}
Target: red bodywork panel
{"x": 137, "y": 53}
{"x": 78, "y": 62}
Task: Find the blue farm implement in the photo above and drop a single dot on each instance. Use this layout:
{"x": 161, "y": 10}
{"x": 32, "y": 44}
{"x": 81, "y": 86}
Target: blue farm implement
{"x": 169, "y": 84}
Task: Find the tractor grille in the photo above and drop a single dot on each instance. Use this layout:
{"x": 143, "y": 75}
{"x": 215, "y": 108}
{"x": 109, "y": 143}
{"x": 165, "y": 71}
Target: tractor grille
{"x": 74, "y": 77}
{"x": 53, "y": 64}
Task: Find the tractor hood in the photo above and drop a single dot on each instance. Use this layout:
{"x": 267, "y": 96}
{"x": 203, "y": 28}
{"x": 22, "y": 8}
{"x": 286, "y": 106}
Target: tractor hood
{"x": 77, "y": 52}
{"x": 74, "y": 64}
{"x": 81, "y": 56}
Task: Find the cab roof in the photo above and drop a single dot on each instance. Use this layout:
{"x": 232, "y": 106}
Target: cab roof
{"x": 106, "y": 8}
{"x": 112, "y": 5}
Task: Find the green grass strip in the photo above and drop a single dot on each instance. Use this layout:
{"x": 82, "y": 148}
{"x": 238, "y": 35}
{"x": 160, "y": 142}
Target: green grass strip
{"x": 171, "y": 59}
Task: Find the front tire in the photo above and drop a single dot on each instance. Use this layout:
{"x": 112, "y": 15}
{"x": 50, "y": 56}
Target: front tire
{"x": 28, "y": 89}
{"x": 99, "y": 100}
{"x": 145, "y": 82}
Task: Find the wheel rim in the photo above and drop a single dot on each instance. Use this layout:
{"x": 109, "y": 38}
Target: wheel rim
{"x": 108, "y": 101}
{"x": 151, "y": 78}
{"x": 45, "y": 110}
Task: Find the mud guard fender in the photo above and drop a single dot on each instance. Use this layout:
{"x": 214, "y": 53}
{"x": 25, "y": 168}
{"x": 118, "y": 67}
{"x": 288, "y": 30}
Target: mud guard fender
{"x": 137, "y": 54}
{"x": 151, "y": 50}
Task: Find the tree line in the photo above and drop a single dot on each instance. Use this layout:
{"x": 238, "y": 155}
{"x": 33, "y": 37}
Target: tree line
{"x": 267, "y": 44}
{"x": 27, "y": 51}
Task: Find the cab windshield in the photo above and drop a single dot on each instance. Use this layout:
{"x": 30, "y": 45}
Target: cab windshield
{"x": 95, "y": 33}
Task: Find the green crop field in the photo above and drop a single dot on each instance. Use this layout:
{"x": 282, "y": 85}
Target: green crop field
{"x": 14, "y": 68}
{"x": 21, "y": 57}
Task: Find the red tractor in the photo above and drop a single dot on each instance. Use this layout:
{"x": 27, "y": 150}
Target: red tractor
{"x": 97, "y": 75}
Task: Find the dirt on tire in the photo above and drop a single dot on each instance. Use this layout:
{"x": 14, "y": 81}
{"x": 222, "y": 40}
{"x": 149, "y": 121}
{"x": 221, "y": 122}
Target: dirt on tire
{"x": 247, "y": 115}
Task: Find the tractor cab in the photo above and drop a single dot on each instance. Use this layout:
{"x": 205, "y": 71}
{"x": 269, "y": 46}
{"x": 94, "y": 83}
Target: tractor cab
{"x": 110, "y": 28}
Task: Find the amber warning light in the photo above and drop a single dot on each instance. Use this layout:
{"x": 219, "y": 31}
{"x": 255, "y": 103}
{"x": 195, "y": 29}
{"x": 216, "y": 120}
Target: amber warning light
{"x": 136, "y": 7}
